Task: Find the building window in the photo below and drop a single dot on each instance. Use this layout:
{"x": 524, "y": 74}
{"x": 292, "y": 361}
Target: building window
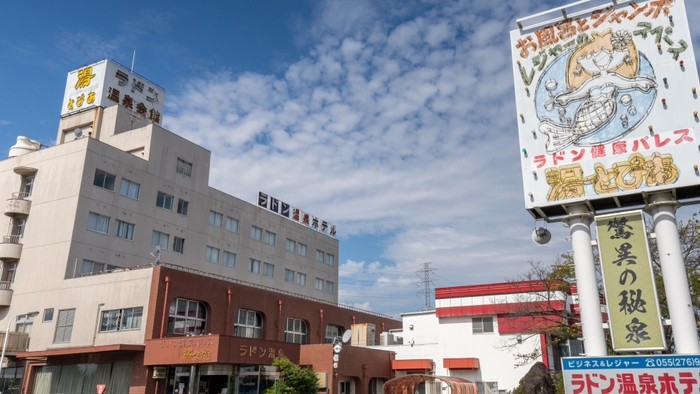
{"x": 160, "y": 239}
{"x": 270, "y": 238}
{"x": 295, "y": 331}
{"x": 256, "y": 233}
{"x": 319, "y": 284}
{"x": 330, "y": 259}
{"x": 289, "y": 276}
{"x": 129, "y": 189}
{"x": 330, "y": 287}
{"x": 212, "y": 255}
{"x": 48, "y": 314}
{"x": 179, "y": 245}
{"x": 268, "y": 270}
{"x": 332, "y": 333}
{"x": 121, "y": 319}
{"x": 90, "y": 267}
{"x": 104, "y": 180}
{"x": 64, "y": 326}
{"x": 24, "y": 323}
{"x": 215, "y": 219}
{"x": 182, "y": 206}
{"x": 301, "y": 249}
{"x": 248, "y": 324}
{"x": 18, "y": 228}
{"x": 98, "y": 223}
{"x": 231, "y": 224}
{"x": 482, "y": 325}
{"x": 184, "y": 167}
{"x": 187, "y": 317}
{"x": 123, "y": 230}
{"x": 27, "y": 187}
{"x": 291, "y": 246}
{"x": 254, "y": 266}
{"x": 164, "y": 201}
{"x": 229, "y": 259}
{"x": 301, "y": 279}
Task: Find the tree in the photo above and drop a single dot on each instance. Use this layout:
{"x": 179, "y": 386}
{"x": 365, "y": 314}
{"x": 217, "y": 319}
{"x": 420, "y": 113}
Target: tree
{"x": 294, "y": 379}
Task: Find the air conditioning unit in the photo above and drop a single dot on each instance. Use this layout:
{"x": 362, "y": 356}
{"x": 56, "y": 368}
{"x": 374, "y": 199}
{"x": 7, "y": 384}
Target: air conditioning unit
{"x": 363, "y": 335}
{"x": 387, "y": 339}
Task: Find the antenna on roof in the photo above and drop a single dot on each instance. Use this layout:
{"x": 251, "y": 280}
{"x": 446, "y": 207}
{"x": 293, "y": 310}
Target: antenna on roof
{"x": 156, "y": 254}
{"x": 133, "y": 59}
{"x": 78, "y": 132}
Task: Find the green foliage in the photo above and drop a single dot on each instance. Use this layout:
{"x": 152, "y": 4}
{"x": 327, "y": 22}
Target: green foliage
{"x": 294, "y": 379}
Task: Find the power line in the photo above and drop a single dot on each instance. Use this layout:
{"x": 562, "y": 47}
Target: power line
{"x": 425, "y": 282}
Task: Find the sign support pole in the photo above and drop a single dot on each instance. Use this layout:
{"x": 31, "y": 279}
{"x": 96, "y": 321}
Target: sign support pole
{"x": 579, "y": 221}
{"x": 662, "y": 207}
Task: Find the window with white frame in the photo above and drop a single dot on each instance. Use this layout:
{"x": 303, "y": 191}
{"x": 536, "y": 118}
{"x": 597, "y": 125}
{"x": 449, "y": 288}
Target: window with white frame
{"x": 24, "y": 323}
{"x": 48, "y": 314}
{"x": 179, "y": 245}
{"x": 229, "y": 259}
{"x": 291, "y": 246}
{"x": 254, "y": 266}
{"x": 164, "y": 201}
{"x": 330, "y": 259}
{"x": 330, "y": 287}
{"x": 64, "y": 326}
{"x": 215, "y": 219}
{"x": 187, "y": 317}
{"x": 301, "y": 279}
{"x": 289, "y": 275}
{"x": 182, "y": 206}
{"x": 231, "y": 224}
{"x": 249, "y": 324}
{"x": 27, "y": 186}
{"x": 268, "y": 270}
{"x": 160, "y": 239}
{"x": 104, "y": 180}
{"x": 98, "y": 223}
{"x": 270, "y": 238}
{"x": 212, "y": 255}
{"x": 89, "y": 267}
{"x": 184, "y": 167}
{"x": 332, "y": 333}
{"x": 295, "y": 331}
{"x": 129, "y": 189}
{"x": 121, "y": 319}
{"x": 301, "y": 249}
{"x": 319, "y": 284}
{"x": 124, "y": 230}
{"x": 256, "y": 233}
{"x": 320, "y": 256}
{"x": 482, "y": 325}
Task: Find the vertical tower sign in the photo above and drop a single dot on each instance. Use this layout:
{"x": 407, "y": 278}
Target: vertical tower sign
{"x": 607, "y": 105}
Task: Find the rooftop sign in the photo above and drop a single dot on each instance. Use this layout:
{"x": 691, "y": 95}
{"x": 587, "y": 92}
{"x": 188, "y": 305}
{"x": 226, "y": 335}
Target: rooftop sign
{"x": 295, "y": 214}
{"x": 607, "y": 105}
{"x": 107, "y": 83}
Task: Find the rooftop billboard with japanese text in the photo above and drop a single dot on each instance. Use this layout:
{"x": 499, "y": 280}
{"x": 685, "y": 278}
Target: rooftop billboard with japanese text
{"x": 607, "y": 105}
{"x": 106, "y": 83}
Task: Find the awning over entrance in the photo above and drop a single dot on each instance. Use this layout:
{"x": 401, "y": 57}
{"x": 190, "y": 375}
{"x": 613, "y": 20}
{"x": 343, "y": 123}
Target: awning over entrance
{"x": 407, "y": 384}
{"x": 82, "y": 350}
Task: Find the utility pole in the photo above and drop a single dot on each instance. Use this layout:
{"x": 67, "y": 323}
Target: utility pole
{"x": 425, "y": 284}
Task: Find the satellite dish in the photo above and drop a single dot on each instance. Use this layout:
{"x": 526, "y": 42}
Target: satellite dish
{"x": 337, "y": 348}
{"x": 78, "y": 132}
{"x": 347, "y": 335}
{"x": 156, "y": 254}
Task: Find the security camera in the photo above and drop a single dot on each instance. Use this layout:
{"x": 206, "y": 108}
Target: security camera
{"x": 541, "y": 235}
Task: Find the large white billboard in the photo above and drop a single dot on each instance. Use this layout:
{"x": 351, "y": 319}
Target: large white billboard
{"x": 106, "y": 83}
{"x": 607, "y": 104}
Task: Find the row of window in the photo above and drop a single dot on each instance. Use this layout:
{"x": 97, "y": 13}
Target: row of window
{"x": 327, "y": 258}
{"x": 296, "y": 247}
{"x": 111, "y": 320}
{"x": 100, "y": 223}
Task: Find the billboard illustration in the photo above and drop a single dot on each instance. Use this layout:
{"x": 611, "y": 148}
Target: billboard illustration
{"x": 607, "y": 103}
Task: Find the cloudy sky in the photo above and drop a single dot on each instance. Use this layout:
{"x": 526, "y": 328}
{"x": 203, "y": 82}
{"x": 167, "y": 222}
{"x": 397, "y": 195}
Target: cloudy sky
{"x": 394, "y": 120}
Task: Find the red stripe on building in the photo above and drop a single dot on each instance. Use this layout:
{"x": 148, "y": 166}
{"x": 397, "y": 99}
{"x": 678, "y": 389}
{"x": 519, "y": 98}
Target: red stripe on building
{"x": 497, "y": 309}
{"x": 424, "y": 364}
{"x": 522, "y": 324}
{"x": 461, "y": 363}
{"x": 526, "y": 286}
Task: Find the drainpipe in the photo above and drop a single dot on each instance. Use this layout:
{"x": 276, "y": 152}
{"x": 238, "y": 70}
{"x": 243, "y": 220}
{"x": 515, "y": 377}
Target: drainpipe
{"x": 321, "y": 329}
{"x": 279, "y": 321}
{"x": 165, "y": 305}
{"x": 97, "y": 322}
{"x": 228, "y": 312}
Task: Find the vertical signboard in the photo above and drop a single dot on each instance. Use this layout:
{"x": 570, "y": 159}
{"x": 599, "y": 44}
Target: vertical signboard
{"x": 630, "y": 290}
{"x": 107, "y": 83}
{"x": 653, "y": 374}
{"x": 607, "y": 103}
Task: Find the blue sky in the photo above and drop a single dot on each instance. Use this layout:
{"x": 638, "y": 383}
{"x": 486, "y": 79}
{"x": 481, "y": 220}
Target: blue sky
{"x": 395, "y": 120}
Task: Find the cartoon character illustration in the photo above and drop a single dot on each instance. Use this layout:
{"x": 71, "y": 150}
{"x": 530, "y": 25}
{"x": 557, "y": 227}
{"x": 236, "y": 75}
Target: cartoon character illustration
{"x": 588, "y": 82}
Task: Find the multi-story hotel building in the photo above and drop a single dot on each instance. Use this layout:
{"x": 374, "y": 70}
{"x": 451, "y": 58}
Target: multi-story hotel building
{"x": 122, "y": 266}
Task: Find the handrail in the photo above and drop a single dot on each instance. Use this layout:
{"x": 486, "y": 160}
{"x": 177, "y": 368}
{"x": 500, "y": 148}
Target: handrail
{"x": 20, "y": 195}
{"x": 11, "y": 239}
{"x": 5, "y": 285}
{"x": 237, "y": 281}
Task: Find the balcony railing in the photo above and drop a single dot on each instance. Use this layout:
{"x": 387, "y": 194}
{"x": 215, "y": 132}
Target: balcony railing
{"x": 5, "y": 285}
{"x": 16, "y": 342}
{"x": 20, "y": 196}
{"x": 19, "y": 205}
{"x": 11, "y": 239}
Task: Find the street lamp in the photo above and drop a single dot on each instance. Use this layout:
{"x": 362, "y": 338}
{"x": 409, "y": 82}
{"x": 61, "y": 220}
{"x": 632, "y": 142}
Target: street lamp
{"x": 7, "y": 334}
